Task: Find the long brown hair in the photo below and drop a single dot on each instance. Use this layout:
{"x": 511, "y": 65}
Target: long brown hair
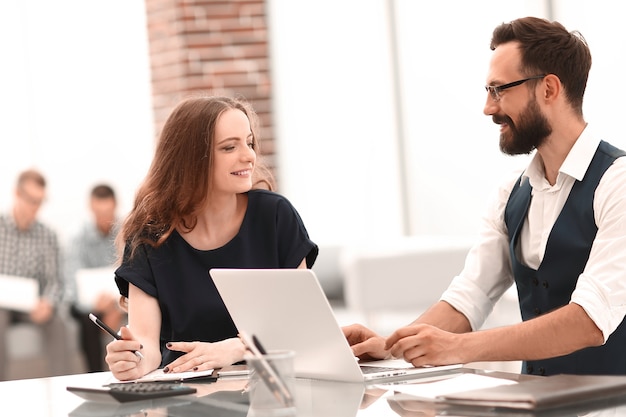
{"x": 177, "y": 183}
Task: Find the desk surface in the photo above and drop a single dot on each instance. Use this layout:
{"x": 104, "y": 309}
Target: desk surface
{"x": 49, "y": 397}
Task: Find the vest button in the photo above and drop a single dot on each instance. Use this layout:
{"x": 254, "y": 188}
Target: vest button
{"x": 537, "y": 311}
{"x": 545, "y": 284}
{"x": 542, "y": 371}
{"x": 529, "y": 369}
{"x": 535, "y": 281}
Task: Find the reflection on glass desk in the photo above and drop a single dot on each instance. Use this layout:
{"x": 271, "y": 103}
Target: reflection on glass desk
{"x": 49, "y": 397}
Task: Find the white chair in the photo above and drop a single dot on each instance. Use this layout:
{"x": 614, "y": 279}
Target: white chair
{"x": 398, "y": 279}
{"x": 327, "y": 270}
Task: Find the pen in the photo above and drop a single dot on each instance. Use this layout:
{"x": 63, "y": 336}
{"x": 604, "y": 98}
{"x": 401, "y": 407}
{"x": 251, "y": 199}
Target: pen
{"x": 266, "y": 370}
{"x": 110, "y": 331}
{"x": 262, "y": 351}
{"x": 258, "y": 345}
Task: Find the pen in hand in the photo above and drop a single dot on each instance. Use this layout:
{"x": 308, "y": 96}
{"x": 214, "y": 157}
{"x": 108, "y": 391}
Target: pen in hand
{"x": 258, "y": 345}
{"x": 110, "y": 331}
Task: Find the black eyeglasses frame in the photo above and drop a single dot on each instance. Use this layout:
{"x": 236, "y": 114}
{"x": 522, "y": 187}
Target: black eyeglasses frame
{"x": 495, "y": 90}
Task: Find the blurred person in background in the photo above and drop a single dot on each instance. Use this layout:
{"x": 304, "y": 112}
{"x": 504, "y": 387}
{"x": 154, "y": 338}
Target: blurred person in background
{"x": 30, "y": 249}
{"x": 94, "y": 247}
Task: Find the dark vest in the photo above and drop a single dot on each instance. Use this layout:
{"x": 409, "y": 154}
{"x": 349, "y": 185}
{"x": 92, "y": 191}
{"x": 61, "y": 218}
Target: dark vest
{"x": 567, "y": 251}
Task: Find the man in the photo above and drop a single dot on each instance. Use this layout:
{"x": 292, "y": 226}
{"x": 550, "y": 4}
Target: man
{"x": 558, "y": 231}
{"x": 30, "y": 249}
{"x": 94, "y": 247}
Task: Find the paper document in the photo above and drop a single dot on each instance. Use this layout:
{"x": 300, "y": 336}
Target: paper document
{"x": 18, "y": 293}
{"x": 91, "y": 282}
{"x": 159, "y": 376}
{"x": 234, "y": 371}
{"x": 432, "y": 391}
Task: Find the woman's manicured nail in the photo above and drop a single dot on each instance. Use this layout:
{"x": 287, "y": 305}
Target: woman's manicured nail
{"x": 166, "y": 370}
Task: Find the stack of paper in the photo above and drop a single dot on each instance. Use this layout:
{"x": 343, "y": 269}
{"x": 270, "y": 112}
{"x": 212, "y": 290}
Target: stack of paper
{"x": 159, "y": 376}
{"x": 435, "y": 390}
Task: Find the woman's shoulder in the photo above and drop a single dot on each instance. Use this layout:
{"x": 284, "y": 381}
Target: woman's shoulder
{"x": 266, "y": 196}
{"x": 271, "y": 203}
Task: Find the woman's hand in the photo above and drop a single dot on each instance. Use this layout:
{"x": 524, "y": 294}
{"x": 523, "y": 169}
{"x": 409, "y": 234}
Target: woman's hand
{"x": 200, "y": 356}
{"x": 123, "y": 362}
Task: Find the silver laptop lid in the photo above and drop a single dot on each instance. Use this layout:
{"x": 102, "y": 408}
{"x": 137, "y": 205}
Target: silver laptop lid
{"x": 287, "y": 309}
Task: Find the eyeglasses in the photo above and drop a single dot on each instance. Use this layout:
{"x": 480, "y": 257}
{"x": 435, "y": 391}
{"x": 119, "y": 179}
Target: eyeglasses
{"x": 495, "y": 90}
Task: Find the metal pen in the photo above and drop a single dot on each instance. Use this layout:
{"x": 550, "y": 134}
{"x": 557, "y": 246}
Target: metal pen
{"x": 110, "y": 331}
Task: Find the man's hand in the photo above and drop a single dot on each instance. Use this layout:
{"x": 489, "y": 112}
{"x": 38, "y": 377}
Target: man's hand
{"x": 365, "y": 343}
{"x": 423, "y": 344}
{"x": 42, "y": 312}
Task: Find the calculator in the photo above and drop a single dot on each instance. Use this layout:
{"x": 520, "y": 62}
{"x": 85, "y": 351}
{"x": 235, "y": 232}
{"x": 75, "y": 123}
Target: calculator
{"x": 132, "y": 391}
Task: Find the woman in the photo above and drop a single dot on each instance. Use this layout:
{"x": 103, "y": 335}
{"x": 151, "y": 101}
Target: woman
{"x": 198, "y": 208}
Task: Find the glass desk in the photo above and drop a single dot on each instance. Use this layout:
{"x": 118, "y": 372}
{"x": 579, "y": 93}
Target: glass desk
{"x": 49, "y": 397}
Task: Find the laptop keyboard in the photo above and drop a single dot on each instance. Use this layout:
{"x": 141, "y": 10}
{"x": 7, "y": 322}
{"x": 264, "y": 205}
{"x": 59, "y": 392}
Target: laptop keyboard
{"x": 376, "y": 369}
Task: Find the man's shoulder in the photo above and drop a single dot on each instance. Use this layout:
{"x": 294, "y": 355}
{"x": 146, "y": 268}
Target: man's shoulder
{"x": 511, "y": 181}
{"x": 86, "y": 231}
{"x": 44, "y": 229}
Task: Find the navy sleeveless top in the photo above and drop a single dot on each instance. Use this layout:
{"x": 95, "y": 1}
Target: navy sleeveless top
{"x": 567, "y": 251}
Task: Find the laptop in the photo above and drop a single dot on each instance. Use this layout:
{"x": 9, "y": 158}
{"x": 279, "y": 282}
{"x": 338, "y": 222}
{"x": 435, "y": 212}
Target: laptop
{"x": 287, "y": 309}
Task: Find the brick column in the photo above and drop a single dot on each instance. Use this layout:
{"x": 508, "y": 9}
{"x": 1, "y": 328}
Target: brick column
{"x": 213, "y": 47}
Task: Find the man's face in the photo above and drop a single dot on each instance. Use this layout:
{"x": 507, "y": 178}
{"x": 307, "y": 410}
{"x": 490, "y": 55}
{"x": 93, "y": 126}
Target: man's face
{"x": 103, "y": 210}
{"x": 523, "y": 126}
{"x": 28, "y": 199}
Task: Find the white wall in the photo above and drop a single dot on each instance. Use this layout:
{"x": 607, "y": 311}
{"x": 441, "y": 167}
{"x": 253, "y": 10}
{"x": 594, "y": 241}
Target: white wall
{"x": 601, "y": 22}
{"x": 453, "y": 157}
{"x": 75, "y": 101}
{"x": 334, "y": 116}
{"x": 337, "y": 138}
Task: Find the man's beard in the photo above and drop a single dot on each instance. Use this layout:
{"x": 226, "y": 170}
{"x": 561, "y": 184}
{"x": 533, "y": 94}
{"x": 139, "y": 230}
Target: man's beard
{"x": 531, "y": 131}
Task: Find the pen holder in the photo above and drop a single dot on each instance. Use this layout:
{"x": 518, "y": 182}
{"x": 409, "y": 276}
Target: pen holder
{"x": 272, "y": 385}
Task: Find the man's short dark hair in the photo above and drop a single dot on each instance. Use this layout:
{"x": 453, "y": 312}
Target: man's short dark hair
{"x": 102, "y": 191}
{"x": 31, "y": 175}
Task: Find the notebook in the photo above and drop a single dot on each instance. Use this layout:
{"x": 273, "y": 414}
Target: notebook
{"x": 287, "y": 309}
{"x": 545, "y": 392}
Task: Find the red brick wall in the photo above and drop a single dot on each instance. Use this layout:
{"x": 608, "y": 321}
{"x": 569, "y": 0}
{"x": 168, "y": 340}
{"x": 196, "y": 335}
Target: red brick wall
{"x": 213, "y": 47}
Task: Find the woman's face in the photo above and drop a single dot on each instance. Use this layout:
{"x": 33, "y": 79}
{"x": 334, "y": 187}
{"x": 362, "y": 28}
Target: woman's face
{"x": 234, "y": 155}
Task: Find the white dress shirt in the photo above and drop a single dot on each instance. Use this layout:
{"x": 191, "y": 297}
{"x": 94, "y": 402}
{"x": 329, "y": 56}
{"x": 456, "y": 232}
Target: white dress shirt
{"x": 601, "y": 288}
